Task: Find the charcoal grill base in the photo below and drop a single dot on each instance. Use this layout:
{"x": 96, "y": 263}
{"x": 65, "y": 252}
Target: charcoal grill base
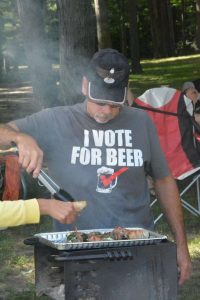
{"x": 132, "y": 273}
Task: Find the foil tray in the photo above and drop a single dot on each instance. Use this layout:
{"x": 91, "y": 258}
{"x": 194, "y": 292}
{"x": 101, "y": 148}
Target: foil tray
{"x": 59, "y": 241}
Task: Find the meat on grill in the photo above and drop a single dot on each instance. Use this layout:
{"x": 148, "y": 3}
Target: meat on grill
{"x": 118, "y": 233}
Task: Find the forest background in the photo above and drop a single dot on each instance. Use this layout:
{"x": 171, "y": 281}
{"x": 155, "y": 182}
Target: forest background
{"x": 49, "y": 42}
{"x": 44, "y": 48}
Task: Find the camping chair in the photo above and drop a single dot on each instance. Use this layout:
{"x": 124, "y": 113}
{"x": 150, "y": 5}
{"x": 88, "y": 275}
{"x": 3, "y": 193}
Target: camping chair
{"x": 172, "y": 114}
{"x": 12, "y": 181}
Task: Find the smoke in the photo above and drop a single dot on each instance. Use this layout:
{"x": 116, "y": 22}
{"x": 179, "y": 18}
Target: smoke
{"x": 51, "y": 48}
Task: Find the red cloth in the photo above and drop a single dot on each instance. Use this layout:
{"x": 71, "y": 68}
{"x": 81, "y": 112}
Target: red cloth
{"x": 11, "y": 178}
{"x": 171, "y": 130}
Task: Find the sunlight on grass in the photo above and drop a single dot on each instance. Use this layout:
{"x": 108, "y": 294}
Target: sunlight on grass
{"x": 172, "y": 72}
{"x": 21, "y": 261}
{"x": 194, "y": 247}
{"x": 160, "y": 60}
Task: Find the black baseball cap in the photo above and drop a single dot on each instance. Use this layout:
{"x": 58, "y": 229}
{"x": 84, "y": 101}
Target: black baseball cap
{"x": 108, "y": 74}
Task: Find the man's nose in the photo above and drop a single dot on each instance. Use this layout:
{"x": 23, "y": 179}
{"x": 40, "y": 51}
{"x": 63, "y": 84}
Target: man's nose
{"x": 107, "y": 109}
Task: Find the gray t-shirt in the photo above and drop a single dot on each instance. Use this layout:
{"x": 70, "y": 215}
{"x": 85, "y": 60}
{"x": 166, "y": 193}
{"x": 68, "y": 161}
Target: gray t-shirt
{"x": 105, "y": 164}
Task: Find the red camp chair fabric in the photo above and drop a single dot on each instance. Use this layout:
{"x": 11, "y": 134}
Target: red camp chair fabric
{"x": 172, "y": 114}
{"x": 11, "y": 187}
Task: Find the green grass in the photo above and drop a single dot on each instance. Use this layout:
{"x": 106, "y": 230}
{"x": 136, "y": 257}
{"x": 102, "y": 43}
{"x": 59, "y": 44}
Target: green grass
{"x": 17, "y": 262}
{"x": 190, "y": 291}
{"x": 172, "y": 71}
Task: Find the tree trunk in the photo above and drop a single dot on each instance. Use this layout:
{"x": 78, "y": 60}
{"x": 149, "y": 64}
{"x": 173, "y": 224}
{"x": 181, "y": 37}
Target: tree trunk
{"x": 1, "y": 49}
{"x": 77, "y": 45}
{"x": 123, "y": 34}
{"x": 35, "y": 43}
{"x": 198, "y": 24}
{"x": 133, "y": 35}
{"x": 183, "y": 24}
{"x": 162, "y": 28}
{"x": 170, "y": 33}
{"x": 103, "y": 29}
{"x": 155, "y": 28}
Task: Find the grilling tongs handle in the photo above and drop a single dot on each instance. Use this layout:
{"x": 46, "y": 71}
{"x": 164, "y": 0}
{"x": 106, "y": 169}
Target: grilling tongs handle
{"x": 53, "y": 188}
{"x": 63, "y": 196}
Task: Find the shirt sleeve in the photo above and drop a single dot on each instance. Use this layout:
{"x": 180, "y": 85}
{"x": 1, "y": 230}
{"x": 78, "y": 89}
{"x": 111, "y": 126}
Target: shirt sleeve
{"x": 19, "y": 212}
{"x": 39, "y": 125}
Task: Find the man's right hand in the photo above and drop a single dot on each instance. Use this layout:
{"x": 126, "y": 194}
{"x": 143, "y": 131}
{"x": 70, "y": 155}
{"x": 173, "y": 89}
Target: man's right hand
{"x": 30, "y": 154}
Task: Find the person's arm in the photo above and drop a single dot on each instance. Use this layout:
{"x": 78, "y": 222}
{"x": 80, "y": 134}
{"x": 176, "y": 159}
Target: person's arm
{"x": 30, "y": 154}
{"x": 168, "y": 195}
{"x": 197, "y": 117}
{"x": 64, "y": 212}
{"x": 21, "y": 212}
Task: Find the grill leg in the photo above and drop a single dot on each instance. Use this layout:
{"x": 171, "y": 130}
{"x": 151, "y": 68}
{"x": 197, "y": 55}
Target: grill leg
{"x": 48, "y": 273}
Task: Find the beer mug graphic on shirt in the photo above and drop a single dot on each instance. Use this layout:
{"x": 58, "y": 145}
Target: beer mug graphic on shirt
{"x": 105, "y": 183}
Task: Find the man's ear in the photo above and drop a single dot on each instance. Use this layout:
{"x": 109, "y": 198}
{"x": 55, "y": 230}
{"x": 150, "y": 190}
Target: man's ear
{"x": 84, "y": 86}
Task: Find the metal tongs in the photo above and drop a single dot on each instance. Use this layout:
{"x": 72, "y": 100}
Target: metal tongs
{"x": 53, "y": 188}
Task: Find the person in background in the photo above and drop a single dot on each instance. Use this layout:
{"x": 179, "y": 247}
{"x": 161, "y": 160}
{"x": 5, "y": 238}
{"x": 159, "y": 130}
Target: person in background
{"x": 102, "y": 150}
{"x": 21, "y": 212}
{"x": 197, "y": 84}
{"x": 130, "y": 97}
{"x": 191, "y": 92}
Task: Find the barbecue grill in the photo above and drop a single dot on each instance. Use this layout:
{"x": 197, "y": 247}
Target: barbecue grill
{"x": 138, "y": 269}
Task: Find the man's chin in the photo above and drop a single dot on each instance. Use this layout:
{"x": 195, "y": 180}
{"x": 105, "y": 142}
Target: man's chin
{"x": 101, "y": 121}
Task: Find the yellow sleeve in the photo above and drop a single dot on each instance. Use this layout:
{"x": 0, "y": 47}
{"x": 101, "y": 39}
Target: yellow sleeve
{"x": 19, "y": 212}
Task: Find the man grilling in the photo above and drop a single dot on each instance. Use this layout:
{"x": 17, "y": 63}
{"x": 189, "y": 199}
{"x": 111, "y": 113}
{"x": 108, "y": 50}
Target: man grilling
{"x": 101, "y": 150}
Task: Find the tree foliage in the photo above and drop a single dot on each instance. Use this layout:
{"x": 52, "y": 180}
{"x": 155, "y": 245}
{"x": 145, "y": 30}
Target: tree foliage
{"x": 184, "y": 13}
{"x": 139, "y": 29}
